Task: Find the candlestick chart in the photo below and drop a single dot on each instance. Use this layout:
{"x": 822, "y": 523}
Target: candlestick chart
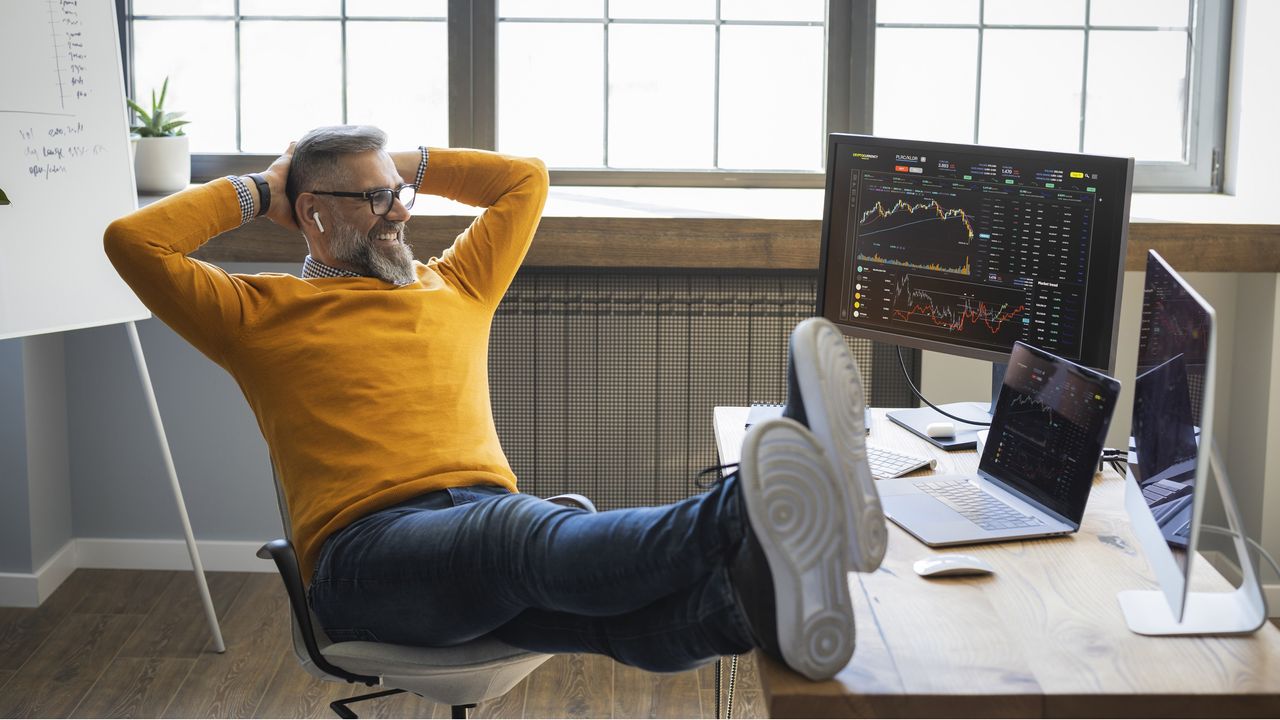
{"x": 915, "y": 230}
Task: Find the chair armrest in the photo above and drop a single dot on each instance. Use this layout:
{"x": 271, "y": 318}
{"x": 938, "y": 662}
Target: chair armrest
{"x": 281, "y": 551}
{"x": 573, "y": 500}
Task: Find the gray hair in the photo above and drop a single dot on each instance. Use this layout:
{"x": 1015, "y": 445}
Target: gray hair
{"x": 316, "y": 158}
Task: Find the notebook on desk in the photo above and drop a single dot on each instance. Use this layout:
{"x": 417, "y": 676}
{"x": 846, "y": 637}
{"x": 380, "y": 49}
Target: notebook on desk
{"x": 1037, "y": 464}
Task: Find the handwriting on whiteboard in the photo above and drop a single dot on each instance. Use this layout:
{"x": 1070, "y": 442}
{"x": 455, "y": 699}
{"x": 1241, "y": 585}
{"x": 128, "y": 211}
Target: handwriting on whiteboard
{"x": 50, "y": 150}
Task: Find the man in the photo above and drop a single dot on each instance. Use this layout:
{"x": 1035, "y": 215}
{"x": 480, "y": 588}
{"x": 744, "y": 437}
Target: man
{"x": 368, "y": 379}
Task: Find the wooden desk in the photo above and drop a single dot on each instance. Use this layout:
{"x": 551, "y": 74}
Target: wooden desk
{"x": 1043, "y": 637}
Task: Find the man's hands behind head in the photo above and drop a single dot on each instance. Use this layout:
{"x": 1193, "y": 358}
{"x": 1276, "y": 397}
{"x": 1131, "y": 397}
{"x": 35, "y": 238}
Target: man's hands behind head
{"x": 281, "y": 210}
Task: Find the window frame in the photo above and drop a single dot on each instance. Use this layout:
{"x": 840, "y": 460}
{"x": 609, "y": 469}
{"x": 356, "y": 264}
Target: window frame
{"x": 850, "y": 31}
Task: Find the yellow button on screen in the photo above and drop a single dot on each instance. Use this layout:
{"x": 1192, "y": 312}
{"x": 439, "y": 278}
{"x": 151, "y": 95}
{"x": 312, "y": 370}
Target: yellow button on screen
{"x": 1077, "y": 174}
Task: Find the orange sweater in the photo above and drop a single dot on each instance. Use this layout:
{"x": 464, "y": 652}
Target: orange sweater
{"x": 367, "y": 394}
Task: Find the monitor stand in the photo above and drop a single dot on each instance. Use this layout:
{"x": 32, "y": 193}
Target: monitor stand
{"x": 1238, "y": 612}
{"x": 918, "y": 419}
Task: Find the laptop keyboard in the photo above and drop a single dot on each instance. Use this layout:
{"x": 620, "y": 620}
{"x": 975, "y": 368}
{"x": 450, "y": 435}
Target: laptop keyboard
{"x": 891, "y": 464}
{"x": 979, "y": 507}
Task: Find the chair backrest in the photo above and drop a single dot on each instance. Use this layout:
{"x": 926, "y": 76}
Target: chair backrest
{"x": 322, "y": 641}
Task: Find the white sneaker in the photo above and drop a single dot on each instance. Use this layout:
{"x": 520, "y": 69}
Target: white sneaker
{"x": 800, "y": 519}
{"x": 831, "y": 403}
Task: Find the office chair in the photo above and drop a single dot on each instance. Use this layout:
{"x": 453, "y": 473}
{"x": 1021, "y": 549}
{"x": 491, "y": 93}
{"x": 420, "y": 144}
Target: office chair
{"x": 460, "y": 676}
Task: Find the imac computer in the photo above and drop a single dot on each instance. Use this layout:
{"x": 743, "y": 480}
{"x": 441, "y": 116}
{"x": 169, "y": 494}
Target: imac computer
{"x": 966, "y": 249}
{"x": 1171, "y": 455}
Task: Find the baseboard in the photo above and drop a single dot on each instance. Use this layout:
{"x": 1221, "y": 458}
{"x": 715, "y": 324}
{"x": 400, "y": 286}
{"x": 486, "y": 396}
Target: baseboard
{"x": 130, "y": 554}
{"x": 31, "y": 589}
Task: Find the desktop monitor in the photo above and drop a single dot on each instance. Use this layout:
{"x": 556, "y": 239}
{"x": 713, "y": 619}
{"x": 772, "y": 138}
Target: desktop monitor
{"x": 1171, "y": 454}
{"x": 966, "y": 249}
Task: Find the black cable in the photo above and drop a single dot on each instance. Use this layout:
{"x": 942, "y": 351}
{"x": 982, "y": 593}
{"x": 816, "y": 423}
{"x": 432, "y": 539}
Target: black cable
{"x": 903, "y": 364}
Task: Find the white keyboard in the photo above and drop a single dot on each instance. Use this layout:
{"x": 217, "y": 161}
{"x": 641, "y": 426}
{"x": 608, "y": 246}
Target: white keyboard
{"x": 891, "y": 464}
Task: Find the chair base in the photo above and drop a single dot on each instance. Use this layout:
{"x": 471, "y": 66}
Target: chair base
{"x": 339, "y": 707}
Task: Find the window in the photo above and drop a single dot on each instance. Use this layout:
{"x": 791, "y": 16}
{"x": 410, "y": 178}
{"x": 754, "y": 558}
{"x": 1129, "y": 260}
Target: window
{"x": 705, "y": 92}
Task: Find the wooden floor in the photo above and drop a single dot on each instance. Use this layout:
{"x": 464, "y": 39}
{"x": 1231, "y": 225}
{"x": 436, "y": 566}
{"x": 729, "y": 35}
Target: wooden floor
{"x": 127, "y": 643}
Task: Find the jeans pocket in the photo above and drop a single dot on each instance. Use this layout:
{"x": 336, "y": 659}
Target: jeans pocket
{"x": 350, "y": 635}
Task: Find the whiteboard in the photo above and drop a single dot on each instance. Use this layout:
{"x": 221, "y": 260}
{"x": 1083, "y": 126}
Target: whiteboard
{"x": 65, "y": 167}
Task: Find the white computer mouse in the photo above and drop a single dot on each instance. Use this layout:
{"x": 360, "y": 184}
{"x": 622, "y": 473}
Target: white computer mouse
{"x": 940, "y": 429}
{"x": 950, "y": 565}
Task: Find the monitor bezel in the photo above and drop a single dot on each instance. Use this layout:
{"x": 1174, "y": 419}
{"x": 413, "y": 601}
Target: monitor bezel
{"x": 1174, "y": 578}
{"x": 1115, "y": 264}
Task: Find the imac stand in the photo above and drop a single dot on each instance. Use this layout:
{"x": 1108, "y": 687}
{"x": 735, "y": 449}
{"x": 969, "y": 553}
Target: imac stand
{"x": 918, "y": 419}
{"x": 1238, "y": 612}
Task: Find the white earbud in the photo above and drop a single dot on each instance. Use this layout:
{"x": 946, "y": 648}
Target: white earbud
{"x": 319, "y": 224}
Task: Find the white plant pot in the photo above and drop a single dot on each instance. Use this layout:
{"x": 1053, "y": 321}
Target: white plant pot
{"x": 162, "y": 164}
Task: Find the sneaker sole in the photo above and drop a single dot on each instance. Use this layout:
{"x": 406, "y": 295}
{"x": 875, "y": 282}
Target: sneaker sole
{"x": 794, "y": 507}
{"x": 831, "y": 389}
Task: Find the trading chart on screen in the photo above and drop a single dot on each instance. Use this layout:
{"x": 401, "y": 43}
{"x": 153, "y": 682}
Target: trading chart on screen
{"x": 965, "y": 249}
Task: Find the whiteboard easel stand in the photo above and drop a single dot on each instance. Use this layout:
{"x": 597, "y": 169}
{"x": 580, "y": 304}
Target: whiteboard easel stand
{"x": 196, "y": 565}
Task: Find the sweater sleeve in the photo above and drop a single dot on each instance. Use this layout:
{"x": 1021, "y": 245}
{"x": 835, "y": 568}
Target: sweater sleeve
{"x": 483, "y": 260}
{"x": 149, "y": 248}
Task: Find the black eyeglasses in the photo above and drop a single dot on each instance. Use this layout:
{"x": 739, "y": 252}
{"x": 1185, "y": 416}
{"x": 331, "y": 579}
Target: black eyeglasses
{"x": 380, "y": 200}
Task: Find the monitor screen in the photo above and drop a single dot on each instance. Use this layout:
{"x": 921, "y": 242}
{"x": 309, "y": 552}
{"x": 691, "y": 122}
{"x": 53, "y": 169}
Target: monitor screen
{"x": 1168, "y": 413}
{"x": 968, "y": 249}
{"x": 1050, "y": 423}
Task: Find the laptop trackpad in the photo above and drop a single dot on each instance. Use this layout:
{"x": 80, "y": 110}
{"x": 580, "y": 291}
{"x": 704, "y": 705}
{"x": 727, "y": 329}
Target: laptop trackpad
{"x": 927, "y": 518}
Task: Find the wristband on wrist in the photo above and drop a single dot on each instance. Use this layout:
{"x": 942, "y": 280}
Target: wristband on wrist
{"x": 264, "y": 192}
{"x": 422, "y": 167}
{"x": 243, "y": 197}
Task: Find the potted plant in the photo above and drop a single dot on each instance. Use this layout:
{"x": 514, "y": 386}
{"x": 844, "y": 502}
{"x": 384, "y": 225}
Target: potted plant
{"x": 162, "y": 159}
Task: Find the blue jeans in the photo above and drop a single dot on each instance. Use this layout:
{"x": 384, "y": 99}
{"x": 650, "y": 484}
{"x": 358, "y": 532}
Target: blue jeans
{"x": 648, "y": 587}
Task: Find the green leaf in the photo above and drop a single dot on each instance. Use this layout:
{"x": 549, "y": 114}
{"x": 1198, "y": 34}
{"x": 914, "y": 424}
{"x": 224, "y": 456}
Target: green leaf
{"x": 163, "y": 91}
{"x": 168, "y": 127}
{"x": 142, "y": 114}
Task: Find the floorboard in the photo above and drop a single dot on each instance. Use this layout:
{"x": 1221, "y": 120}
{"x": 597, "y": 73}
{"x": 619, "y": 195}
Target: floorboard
{"x": 60, "y": 672}
{"x": 134, "y": 688}
{"x": 295, "y": 693}
{"x": 60, "y": 661}
{"x": 640, "y": 694}
{"x": 122, "y": 591}
{"x": 571, "y": 686}
{"x": 232, "y": 684}
{"x": 22, "y": 630}
{"x": 176, "y": 627}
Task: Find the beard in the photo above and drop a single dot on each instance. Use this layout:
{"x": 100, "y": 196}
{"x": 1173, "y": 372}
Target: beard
{"x": 391, "y": 262}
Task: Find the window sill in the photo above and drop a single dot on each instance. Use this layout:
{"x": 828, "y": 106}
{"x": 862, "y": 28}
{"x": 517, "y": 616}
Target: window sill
{"x": 768, "y": 229}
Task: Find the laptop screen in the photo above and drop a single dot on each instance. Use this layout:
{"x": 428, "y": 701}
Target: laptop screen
{"x": 1048, "y": 429}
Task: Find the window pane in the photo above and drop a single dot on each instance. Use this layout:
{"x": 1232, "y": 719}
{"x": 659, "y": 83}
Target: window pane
{"x": 1034, "y": 12}
{"x": 1031, "y": 104}
{"x": 663, "y": 9}
{"x": 289, "y": 7}
{"x": 810, "y": 10}
{"x": 1157, "y": 13}
{"x": 771, "y": 85}
{"x": 205, "y": 91}
{"x": 551, "y": 92}
{"x": 551, "y": 8}
{"x": 407, "y": 100}
{"x": 273, "y": 111}
{"x": 939, "y": 107}
{"x": 183, "y": 7}
{"x": 927, "y": 11}
{"x": 398, "y": 8}
{"x": 660, "y": 103}
{"x": 1144, "y": 119}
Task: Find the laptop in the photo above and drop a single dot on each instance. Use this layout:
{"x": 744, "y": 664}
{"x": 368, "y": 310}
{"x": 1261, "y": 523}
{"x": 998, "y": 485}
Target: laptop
{"x": 1037, "y": 466}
